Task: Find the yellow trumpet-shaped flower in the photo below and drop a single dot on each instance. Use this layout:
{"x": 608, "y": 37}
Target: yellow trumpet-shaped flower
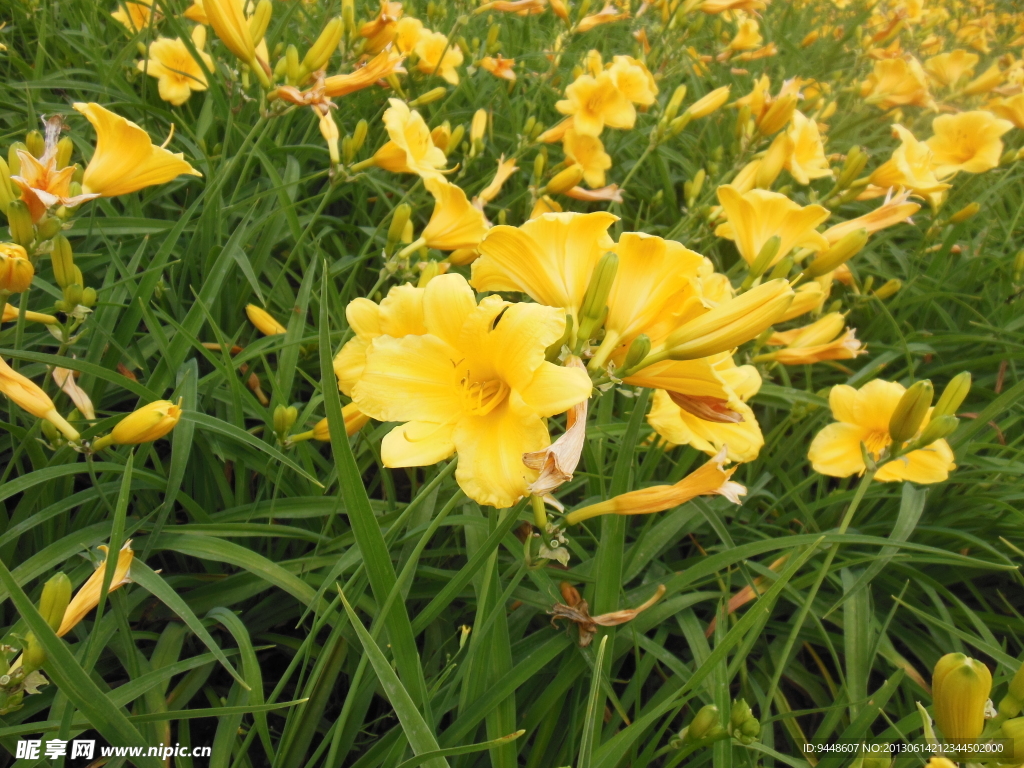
{"x": 476, "y": 384}
{"x": 758, "y": 215}
{"x": 265, "y": 322}
{"x": 134, "y": 15}
{"x": 948, "y": 69}
{"x": 439, "y": 55}
{"x": 825, "y": 339}
{"x": 911, "y": 166}
{"x": 862, "y": 418}
{"x": 177, "y": 72}
{"x": 587, "y": 152}
{"x": 633, "y": 80}
{"x": 379, "y": 67}
{"x": 1011, "y": 108}
{"x": 88, "y": 596}
{"x": 380, "y": 31}
{"x": 29, "y": 397}
{"x": 596, "y": 102}
{"x": 408, "y": 32}
{"x": 549, "y": 258}
{"x": 960, "y": 688}
{"x": 710, "y": 425}
{"x": 399, "y": 314}
{"x": 150, "y": 422}
{"x": 227, "y": 17}
{"x": 807, "y": 159}
{"x": 897, "y": 83}
{"x": 125, "y": 159}
{"x": 968, "y": 142}
{"x": 709, "y": 480}
{"x": 455, "y": 223}
{"x": 747, "y": 37}
{"x": 410, "y": 150}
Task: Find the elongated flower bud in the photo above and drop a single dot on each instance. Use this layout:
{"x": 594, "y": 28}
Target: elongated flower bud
{"x": 856, "y": 159}
{"x": 692, "y": 188}
{"x": 953, "y": 395}
{"x": 478, "y": 127}
{"x": 774, "y": 161}
{"x": 706, "y": 724}
{"x": 63, "y": 261}
{"x": 595, "y": 300}
{"x": 260, "y": 20}
{"x": 398, "y": 221}
{"x": 565, "y": 180}
{"x": 778, "y": 115}
{"x": 19, "y": 221}
{"x": 730, "y": 323}
{"x": 967, "y": 212}
{"x": 7, "y": 195}
{"x": 359, "y": 135}
{"x": 434, "y": 94}
{"x": 321, "y": 51}
{"x": 28, "y": 396}
{"x": 1013, "y": 702}
{"x": 264, "y": 321}
{"x": 36, "y": 143}
{"x": 637, "y": 351}
{"x": 960, "y": 688}
{"x": 845, "y": 249}
{"x": 64, "y": 149}
{"x": 54, "y": 600}
{"x": 910, "y": 411}
{"x": 888, "y": 288}
{"x": 13, "y": 161}
{"x": 228, "y": 20}
{"x": 674, "y": 103}
{"x": 765, "y": 256}
{"x": 16, "y": 271}
{"x": 33, "y": 656}
{"x": 148, "y": 423}
{"x": 284, "y": 418}
{"x": 710, "y": 103}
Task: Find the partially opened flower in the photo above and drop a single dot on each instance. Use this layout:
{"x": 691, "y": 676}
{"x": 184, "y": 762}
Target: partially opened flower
{"x": 807, "y": 159}
{"x": 758, "y": 215}
{"x": 606, "y": 15}
{"x": 505, "y": 170}
{"x": 911, "y": 166}
{"x": 499, "y": 66}
{"x": 411, "y": 149}
{"x": 550, "y": 258}
{"x": 88, "y": 595}
{"x": 399, "y": 314}
{"x": 135, "y": 15}
{"x": 475, "y": 384}
{"x": 227, "y": 17}
{"x": 31, "y": 398}
{"x": 948, "y": 69}
{"x": 587, "y": 152}
{"x": 897, "y": 83}
{"x": 125, "y": 160}
{"x": 825, "y": 339}
{"x": 1011, "y": 108}
{"x": 709, "y": 480}
{"x": 438, "y": 55}
{"x": 379, "y": 67}
{"x": 380, "y": 31}
{"x": 862, "y": 419}
{"x": 968, "y": 141}
{"x": 747, "y": 37}
{"x": 894, "y": 210}
{"x": 596, "y": 102}
{"x": 177, "y": 72}
{"x": 150, "y": 422}
{"x": 455, "y": 222}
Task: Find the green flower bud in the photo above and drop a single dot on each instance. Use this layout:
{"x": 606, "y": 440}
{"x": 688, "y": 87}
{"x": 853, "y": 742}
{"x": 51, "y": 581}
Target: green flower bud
{"x": 1014, "y": 729}
{"x": 6, "y": 190}
{"x": 638, "y": 350}
{"x": 47, "y": 227}
{"x": 856, "y": 159}
{"x": 73, "y": 294}
{"x": 692, "y": 191}
{"x": 55, "y": 598}
{"x": 889, "y": 288}
{"x": 62, "y": 259}
{"x": 840, "y": 253}
{"x": 32, "y": 655}
{"x": 398, "y": 221}
{"x": 458, "y": 132}
{"x": 910, "y": 412}
{"x": 64, "y": 149}
{"x": 13, "y": 161}
{"x": 765, "y": 256}
{"x": 36, "y": 143}
{"x": 595, "y": 300}
{"x": 1013, "y": 702}
{"x": 938, "y": 429}
{"x": 89, "y": 297}
{"x": 538, "y": 167}
{"x": 960, "y": 688}
{"x": 292, "y": 66}
{"x": 284, "y": 419}
{"x": 321, "y": 51}
{"x": 19, "y": 221}
{"x": 952, "y": 398}
{"x": 705, "y": 724}
{"x": 260, "y": 20}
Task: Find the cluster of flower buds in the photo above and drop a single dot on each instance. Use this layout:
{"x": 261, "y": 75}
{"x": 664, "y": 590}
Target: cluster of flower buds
{"x": 707, "y": 727}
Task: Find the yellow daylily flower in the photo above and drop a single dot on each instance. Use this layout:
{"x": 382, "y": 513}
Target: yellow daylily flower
{"x": 134, "y": 15}
{"x": 711, "y": 479}
{"x": 897, "y": 83}
{"x": 758, "y": 215}
{"x": 438, "y": 55}
{"x": 862, "y": 418}
{"x": 499, "y": 66}
{"x": 408, "y": 33}
{"x": 411, "y": 149}
{"x": 177, "y": 73}
{"x": 911, "y": 166}
{"x": 31, "y": 398}
{"x": 125, "y": 159}
{"x": 455, "y": 223}
{"x": 88, "y": 595}
{"x": 948, "y": 69}
{"x": 633, "y": 80}
{"x": 606, "y": 15}
{"x": 197, "y": 13}
{"x": 43, "y": 185}
{"x": 596, "y": 102}
{"x": 227, "y": 17}
{"x": 399, "y": 314}
{"x": 476, "y": 385}
{"x": 807, "y": 159}
{"x": 825, "y": 339}
{"x": 709, "y": 426}
{"x": 1011, "y": 108}
{"x": 380, "y": 31}
{"x": 968, "y": 142}
{"x": 747, "y": 37}
{"x": 550, "y": 258}
{"x": 587, "y": 152}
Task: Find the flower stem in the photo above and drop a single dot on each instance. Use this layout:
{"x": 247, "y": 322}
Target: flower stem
{"x": 540, "y": 515}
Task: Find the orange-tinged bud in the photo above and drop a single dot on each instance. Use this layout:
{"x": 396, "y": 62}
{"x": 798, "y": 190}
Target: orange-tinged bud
{"x": 148, "y": 423}
{"x": 16, "y": 270}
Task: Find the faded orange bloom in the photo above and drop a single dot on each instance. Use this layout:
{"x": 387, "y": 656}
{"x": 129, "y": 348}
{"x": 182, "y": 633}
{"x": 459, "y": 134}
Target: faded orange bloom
{"x": 611, "y": 194}
{"x": 824, "y": 339}
{"x": 499, "y": 66}
{"x": 380, "y": 31}
{"x": 43, "y": 185}
{"x": 894, "y": 210}
{"x": 606, "y": 15}
{"x": 521, "y": 7}
{"x": 577, "y": 611}
{"x": 380, "y": 66}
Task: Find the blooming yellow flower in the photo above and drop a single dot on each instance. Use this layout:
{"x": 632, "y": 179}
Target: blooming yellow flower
{"x": 720, "y": 6}
{"x": 408, "y": 32}
{"x": 587, "y": 152}
{"x": 499, "y": 66}
{"x": 825, "y": 339}
{"x": 862, "y": 418}
{"x": 1011, "y": 108}
{"x": 897, "y": 83}
{"x": 227, "y": 18}
{"x": 758, "y": 215}
{"x": 380, "y": 31}
{"x": 410, "y": 150}
{"x": 28, "y": 396}
{"x": 177, "y": 73}
{"x": 380, "y": 66}
{"x": 549, "y": 258}
{"x": 596, "y": 102}
{"x": 748, "y": 36}
{"x": 88, "y": 595}
{"x": 476, "y": 384}
{"x": 948, "y": 69}
{"x": 455, "y": 223}
{"x": 968, "y": 141}
{"x": 633, "y": 80}
{"x": 134, "y": 15}
{"x": 150, "y": 422}
{"x": 711, "y": 479}
{"x": 911, "y": 166}
{"x": 709, "y": 425}
{"x": 437, "y": 54}
{"x": 399, "y": 314}
{"x": 265, "y": 322}
{"x": 125, "y": 159}
{"x": 807, "y": 159}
